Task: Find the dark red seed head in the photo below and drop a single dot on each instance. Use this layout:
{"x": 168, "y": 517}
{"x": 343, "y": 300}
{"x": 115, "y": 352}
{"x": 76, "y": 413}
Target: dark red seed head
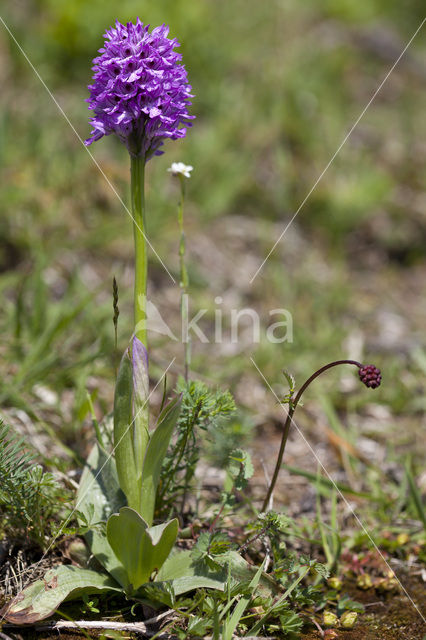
{"x": 370, "y": 376}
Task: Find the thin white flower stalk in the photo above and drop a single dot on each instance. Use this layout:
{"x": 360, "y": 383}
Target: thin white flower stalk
{"x": 182, "y": 171}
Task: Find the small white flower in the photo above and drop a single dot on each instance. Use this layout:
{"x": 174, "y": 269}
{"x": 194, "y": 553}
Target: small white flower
{"x": 180, "y": 169}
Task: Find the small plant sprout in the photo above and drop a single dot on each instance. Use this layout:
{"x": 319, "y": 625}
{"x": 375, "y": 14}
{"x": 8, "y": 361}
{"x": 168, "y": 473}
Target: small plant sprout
{"x": 182, "y": 171}
{"x": 29, "y": 496}
{"x": 348, "y": 619}
{"x": 368, "y": 374}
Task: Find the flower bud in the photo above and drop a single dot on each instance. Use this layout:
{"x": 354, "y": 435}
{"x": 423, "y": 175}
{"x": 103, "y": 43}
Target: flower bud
{"x": 348, "y": 619}
{"x": 387, "y": 585}
{"x": 402, "y": 539}
{"x": 370, "y": 376}
{"x": 364, "y": 581}
{"x": 335, "y": 583}
{"x": 329, "y": 619}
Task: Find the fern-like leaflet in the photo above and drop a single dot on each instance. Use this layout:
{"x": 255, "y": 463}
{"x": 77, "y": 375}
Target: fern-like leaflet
{"x": 29, "y": 496}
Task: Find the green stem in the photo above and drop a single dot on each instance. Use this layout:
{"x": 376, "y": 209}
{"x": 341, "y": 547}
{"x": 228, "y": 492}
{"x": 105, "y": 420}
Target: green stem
{"x": 95, "y": 422}
{"x": 292, "y": 408}
{"x": 140, "y": 433}
{"x": 141, "y": 256}
{"x": 183, "y": 280}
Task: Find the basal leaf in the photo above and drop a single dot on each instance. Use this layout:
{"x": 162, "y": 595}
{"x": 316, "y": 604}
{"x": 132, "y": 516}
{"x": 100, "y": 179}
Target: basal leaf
{"x": 156, "y": 450}
{"x": 141, "y": 549}
{"x": 98, "y": 496}
{"x": 185, "y": 574}
{"x": 41, "y": 598}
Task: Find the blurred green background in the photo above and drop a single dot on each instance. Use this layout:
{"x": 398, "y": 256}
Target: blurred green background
{"x": 278, "y": 84}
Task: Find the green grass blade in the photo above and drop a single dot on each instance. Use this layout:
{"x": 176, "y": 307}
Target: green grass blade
{"x": 415, "y": 494}
{"x": 259, "y": 624}
{"x": 325, "y": 485}
{"x": 231, "y": 623}
{"x": 324, "y": 541}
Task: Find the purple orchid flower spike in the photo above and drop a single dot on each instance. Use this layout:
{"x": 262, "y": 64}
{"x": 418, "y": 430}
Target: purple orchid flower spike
{"x": 140, "y": 89}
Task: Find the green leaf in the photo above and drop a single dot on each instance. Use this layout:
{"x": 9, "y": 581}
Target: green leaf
{"x": 98, "y": 496}
{"x": 123, "y": 441}
{"x": 41, "y": 598}
{"x": 158, "y": 593}
{"x": 185, "y": 574}
{"x": 345, "y": 603}
{"x": 198, "y": 626}
{"x": 240, "y": 464}
{"x": 255, "y": 630}
{"x": 209, "y": 545}
{"x": 140, "y": 403}
{"x": 326, "y": 486}
{"x": 291, "y": 622}
{"x": 155, "y": 453}
{"x": 415, "y": 494}
{"x": 289, "y": 397}
{"x": 141, "y": 549}
{"x": 242, "y": 571}
{"x": 320, "y": 569}
{"x": 240, "y": 468}
{"x": 231, "y": 623}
